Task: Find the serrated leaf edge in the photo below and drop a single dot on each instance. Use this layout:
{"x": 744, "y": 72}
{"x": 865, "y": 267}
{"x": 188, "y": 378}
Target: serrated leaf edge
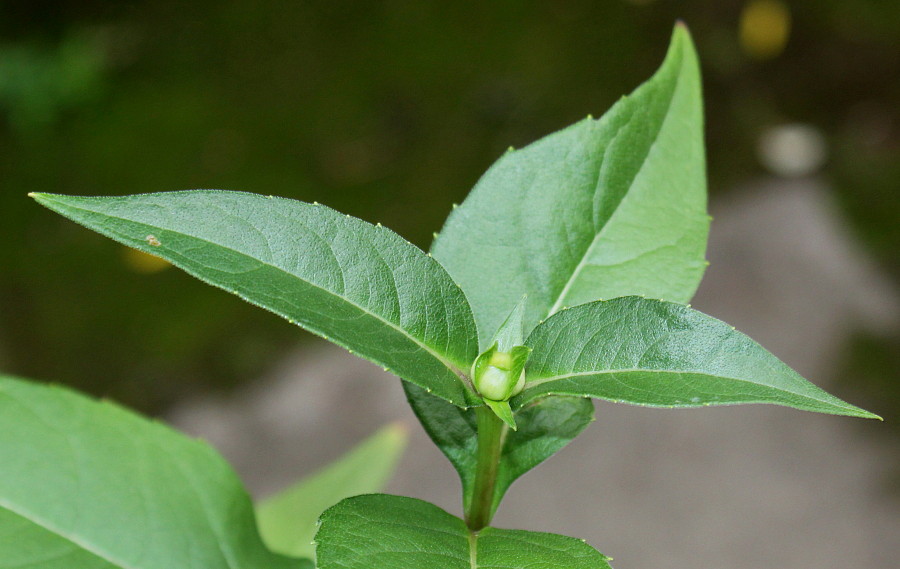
{"x": 45, "y": 199}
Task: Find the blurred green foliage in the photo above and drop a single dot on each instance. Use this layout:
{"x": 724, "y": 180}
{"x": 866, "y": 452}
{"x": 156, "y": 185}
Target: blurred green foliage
{"x": 385, "y": 110}
{"x": 38, "y": 82}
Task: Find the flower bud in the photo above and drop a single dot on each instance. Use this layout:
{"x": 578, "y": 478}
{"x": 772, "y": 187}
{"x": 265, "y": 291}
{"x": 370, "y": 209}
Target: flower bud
{"x": 500, "y": 375}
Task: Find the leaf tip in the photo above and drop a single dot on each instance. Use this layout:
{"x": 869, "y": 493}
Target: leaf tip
{"x": 863, "y": 414}
{"x": 41, "y": 198}
{"x": 681, "y": 31}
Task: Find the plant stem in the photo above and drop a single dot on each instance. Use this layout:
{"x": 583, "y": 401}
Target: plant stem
{"x": 491, "y": 433}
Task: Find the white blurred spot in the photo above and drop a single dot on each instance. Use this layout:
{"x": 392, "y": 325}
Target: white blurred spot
{"x": 792, "y": 150}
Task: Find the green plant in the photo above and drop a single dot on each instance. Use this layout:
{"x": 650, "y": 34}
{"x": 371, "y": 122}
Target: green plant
{"x": 501, "y": 334}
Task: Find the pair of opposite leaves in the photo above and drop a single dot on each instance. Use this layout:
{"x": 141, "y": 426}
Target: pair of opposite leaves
{"x": 601, "y": 210}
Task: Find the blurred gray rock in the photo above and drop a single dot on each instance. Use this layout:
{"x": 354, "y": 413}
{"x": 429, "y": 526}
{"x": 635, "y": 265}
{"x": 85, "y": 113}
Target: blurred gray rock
{"x": 738, "y": 487}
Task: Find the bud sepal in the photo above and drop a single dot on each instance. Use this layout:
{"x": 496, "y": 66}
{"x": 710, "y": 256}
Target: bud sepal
{"x": 502, "y": 410}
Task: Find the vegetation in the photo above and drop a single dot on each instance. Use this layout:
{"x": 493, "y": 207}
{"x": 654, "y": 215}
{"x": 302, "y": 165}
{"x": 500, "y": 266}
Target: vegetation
{"x": 564, "y": 276}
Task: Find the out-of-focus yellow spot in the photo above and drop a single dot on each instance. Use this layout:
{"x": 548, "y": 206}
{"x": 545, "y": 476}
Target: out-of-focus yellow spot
{"x": 764, "y": 28}
{"x": 141, "y": 262}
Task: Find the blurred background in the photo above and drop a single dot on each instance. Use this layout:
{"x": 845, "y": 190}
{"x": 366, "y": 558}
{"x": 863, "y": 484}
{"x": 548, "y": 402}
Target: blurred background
{"x": 390, "y": 111}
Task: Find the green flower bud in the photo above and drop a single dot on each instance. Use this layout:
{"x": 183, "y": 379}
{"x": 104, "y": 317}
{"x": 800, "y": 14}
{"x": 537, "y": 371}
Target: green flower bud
{"x": 497, "y": 384}
{"x": 500, "y": 375}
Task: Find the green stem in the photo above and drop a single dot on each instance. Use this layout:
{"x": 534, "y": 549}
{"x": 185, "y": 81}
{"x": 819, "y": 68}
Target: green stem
{"x": 491, "y": 432}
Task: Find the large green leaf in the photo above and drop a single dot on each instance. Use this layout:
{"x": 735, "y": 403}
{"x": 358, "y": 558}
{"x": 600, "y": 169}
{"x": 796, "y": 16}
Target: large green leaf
{"x": 602, "y": 209}
{"x": 545, "y": 426}
{"x": 89, "y": 485}
{"x": 380, "y": 532}
{"x": 359, "y": 285}
{"x": 662, "y": 354}
{"x": 288, "y": 520}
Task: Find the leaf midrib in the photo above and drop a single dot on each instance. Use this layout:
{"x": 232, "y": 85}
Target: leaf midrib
{"x": 105, "y": 556}
{"x": 544, "y": 380}
{"x": 430, "y": 350}
{"x": 599, "y": 233}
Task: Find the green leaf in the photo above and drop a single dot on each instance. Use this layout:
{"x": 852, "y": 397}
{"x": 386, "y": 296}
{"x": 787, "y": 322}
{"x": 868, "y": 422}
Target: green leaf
{"x": 602, "y": 209}
{"x": 512, "y": 332}
{"x": 359, "y": 285}
{"x": 287, "y": 521}
{"x": 381, "y": 531}
{"x": 661, "y": 354}
{"x": 544, "y": 427}
{"x": 88, "y": 485}
{"x": 502, "y": 410}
